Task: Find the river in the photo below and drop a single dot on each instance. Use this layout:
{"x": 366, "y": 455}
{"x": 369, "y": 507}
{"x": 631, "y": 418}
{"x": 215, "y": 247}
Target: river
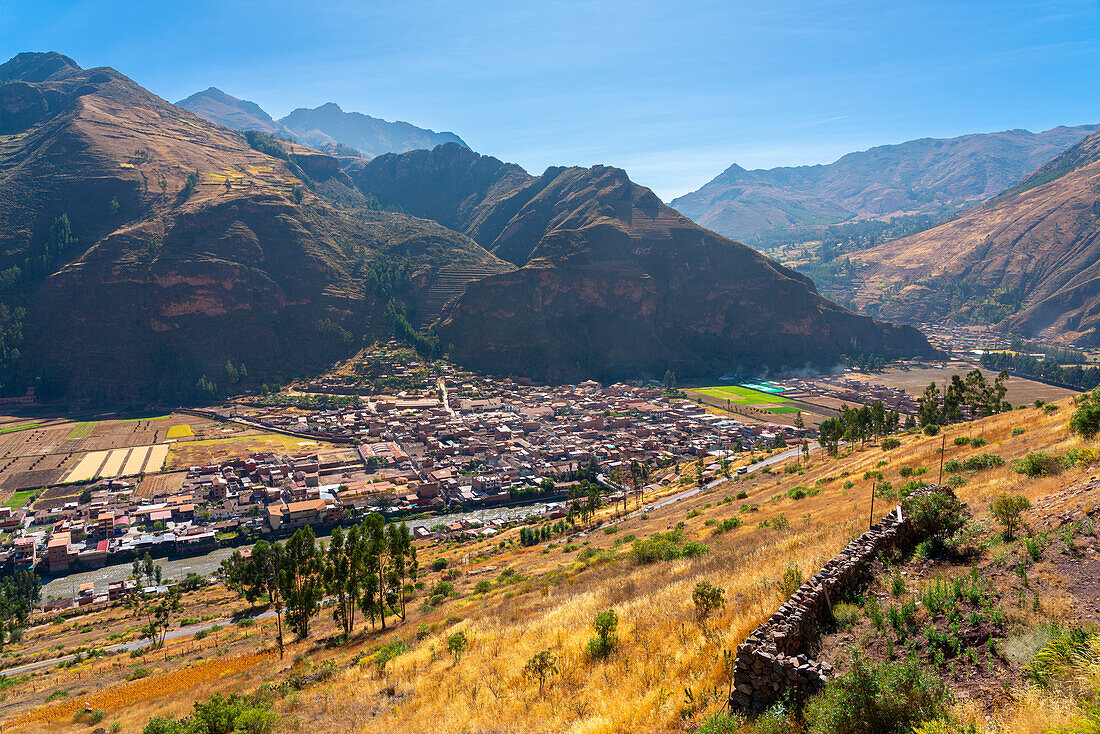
{"x": 205, "y": 565}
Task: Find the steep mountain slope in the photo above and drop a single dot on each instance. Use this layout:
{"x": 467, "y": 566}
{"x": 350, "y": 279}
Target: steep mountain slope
{"x": 930, "y": 176}
{"x": 613, "y": 282}
{"x": 224, "y": 109}
{"x": 328, "y": 124}
{"x": 141, "y": 247}
{"x": 1029, "y": 259}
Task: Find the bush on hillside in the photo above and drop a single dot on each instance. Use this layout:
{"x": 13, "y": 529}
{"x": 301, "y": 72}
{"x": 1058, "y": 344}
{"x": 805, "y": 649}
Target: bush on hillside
{"x": 937, "y": 514}
{"x": 219, "y": 714}
{"x": 1086, "y": 419}
{"x": 870, "y": 698}
{"x": 1037, "y": 464}
{"x": 982, "y": 461}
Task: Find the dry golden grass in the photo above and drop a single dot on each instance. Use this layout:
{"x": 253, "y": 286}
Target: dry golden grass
{"x": 190, "y": 453}
{"x": 662, "y": 649}
{"x": 1037, "y": 712}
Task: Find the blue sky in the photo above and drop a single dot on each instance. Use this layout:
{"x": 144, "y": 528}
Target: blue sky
{"x": 672, "y": 91}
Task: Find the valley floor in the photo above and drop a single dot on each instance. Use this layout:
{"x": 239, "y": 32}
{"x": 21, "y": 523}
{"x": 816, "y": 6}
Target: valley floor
{"x": 667, "y": 671}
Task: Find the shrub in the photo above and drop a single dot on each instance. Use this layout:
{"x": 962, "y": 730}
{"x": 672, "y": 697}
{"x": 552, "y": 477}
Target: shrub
{"x": 906, "y": 471}
{"x": 977, "y": 443}
{"x": 938, "y": 513}
{"x": 707, "y": 598}
{"x": 849, "y": 484}
{"x": 962, "y": 440}
{"x": 1086, "y": 419}
{"x": 910, "y": 487}
{"x": 982, "y": 461}
{"x": 742, "y": 495}
{"x": 542, "y": 665}
{"x": 483, "y": 586}
{"x": 955, "y": 481}
{"x": 846, "y": 615}
{"x": 1007, "y": 509}
{"x": 792, "y": 579}
{"x": 386, "y": 653}
{"x": 665, "y": 547}
{"x": 1017, "y": 431}
{"x": 439, "y": 564}
{"x": 731, "y": 523}
{"x": 219, "y": 714}
{"x": 890, "y": 443}
{"x": 456, "y": 645}
{"x": 1037, "y": 464}
{"x": 931, "y": 430}
{"x": 887, "y": 698}
{"x": 443, "y": 589}
{"x": 604, "y": 642}
{"x": 779, "y": 522}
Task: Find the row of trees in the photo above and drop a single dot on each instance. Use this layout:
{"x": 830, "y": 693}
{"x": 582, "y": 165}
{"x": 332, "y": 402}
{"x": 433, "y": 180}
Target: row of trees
{"x": 858, "y": 424}
{"x": 1046, "y": 369}
{"x": 368, "y": 569}
{"x": 969, "y": 397}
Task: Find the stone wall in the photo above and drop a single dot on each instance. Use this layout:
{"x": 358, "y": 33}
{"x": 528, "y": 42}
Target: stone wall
{"x": 773, "y": 658}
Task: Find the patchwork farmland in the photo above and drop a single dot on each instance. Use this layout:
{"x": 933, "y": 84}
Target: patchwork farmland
{"x": 37, "y": 453}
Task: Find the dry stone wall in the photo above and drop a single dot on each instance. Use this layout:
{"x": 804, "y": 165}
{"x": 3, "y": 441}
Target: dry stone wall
{"x": 773, "y": 658}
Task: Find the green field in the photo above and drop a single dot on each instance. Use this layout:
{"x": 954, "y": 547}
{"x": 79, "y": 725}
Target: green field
{"x": 83, "y": 429}
{"x": 23, "y": 427}
{"x": 741, "y": 395}
{"x": 18, "y": 499}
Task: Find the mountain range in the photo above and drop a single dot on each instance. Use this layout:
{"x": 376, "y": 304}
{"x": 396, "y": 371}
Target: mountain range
{"x": 143, "y": 247}
{"x": 612, "y": 282}
{"x": 327, "y": 128}
{"x": 927, "y": 176}
{"x": 1027, "y": 260}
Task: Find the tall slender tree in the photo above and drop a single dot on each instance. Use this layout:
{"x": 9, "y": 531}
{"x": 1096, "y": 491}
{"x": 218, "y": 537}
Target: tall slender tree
{"x": 300, "y": 580}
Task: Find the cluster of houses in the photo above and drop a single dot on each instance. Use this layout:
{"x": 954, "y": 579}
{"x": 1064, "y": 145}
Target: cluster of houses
{"x": 858, "y": 392}
{"x": 460, "y": 444}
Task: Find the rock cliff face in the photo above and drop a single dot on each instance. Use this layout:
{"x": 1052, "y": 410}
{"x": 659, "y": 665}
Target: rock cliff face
{"x": 1028, "y": 259}
{"x": 142, "y": 247}
{"x": 926, "y": 176}
{"x": 612, "y": 282}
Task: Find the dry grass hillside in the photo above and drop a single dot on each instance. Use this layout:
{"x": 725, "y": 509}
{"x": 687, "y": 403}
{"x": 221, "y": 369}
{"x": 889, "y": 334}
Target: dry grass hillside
{"x": 512, "y": 602}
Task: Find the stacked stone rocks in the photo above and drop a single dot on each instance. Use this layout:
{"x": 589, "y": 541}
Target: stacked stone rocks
{"x": 772, "y": 659}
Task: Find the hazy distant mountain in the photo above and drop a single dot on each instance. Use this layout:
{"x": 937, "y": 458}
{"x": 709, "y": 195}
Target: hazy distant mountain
{"x": 325, "y": 128}
{"x": 926, "y": 176}
{"x": 1029, "y": 259}
{"x": 328, "y": 124}
{"x": 225, "y": 109}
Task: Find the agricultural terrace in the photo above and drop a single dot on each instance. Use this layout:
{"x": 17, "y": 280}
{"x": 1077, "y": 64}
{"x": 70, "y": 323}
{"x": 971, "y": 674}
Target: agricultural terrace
{"x": 752, "y": 536}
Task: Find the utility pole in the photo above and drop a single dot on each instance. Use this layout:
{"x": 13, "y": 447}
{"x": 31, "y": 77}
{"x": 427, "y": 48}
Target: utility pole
{"x": 943, "y": 448}
{"x": 871, "y": 521}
